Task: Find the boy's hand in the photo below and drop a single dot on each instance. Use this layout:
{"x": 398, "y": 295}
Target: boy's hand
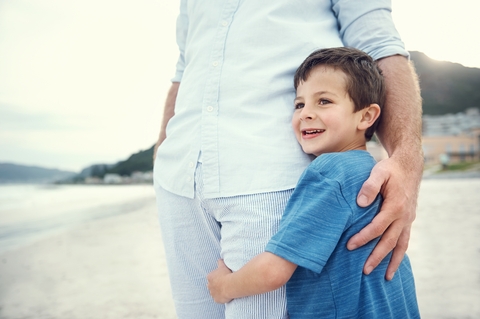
{"x": 216, "y": 282}
{"x": 399, "y": 186}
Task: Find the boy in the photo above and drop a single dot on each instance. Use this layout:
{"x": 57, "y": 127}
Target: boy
{"x": 337, "y": 108}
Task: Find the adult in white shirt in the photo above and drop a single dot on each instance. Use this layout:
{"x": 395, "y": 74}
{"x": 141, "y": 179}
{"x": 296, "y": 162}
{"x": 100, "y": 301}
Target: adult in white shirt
{"x": 227, "y": 159}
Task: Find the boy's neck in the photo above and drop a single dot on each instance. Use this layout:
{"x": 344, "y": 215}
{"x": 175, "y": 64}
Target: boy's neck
{"x": 355, "y": 147}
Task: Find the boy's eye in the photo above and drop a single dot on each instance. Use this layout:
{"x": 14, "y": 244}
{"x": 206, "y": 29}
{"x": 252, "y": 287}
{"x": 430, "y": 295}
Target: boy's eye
{"x": 323, "y": 101}
{"x": 299, "y": 106}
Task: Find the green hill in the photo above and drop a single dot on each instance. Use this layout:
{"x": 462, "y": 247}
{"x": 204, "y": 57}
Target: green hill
{"x": 446, "y": 87}
{"x": 141, "y": 161}
{"x": 14, "y": 173}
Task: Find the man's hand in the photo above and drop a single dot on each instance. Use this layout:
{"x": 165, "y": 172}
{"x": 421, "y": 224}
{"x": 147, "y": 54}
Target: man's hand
{"x": 399, "y": 188}
{"x": 216, "y": 282}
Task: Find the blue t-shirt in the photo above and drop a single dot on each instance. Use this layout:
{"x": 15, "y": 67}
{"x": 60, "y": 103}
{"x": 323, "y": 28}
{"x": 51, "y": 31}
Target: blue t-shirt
{"x": 321, "y": 216}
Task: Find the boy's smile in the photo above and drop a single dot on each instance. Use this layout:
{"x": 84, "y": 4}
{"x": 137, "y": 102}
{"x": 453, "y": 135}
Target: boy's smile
{"x": 324, "y": 120}
{"x": 311, "y": 133}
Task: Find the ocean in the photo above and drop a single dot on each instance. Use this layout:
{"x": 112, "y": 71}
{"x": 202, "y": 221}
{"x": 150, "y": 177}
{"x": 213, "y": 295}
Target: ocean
{"x": 31, "y": 212}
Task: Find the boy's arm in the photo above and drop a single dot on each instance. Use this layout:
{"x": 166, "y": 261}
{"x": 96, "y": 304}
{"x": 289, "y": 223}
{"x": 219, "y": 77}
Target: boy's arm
{"x": 398, "y": 177}
{"x": 264, "y": 273}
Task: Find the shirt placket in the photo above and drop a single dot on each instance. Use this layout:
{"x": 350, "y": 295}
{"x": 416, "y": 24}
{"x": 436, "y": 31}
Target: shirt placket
{"x": 210, "y": 106}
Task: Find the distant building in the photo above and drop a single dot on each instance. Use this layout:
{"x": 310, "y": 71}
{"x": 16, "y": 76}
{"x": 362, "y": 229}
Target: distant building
{"x": 458, "y": 148}
{"x": 112, "y": 179}
{"x": 93, "y": 180}
{"x": 455, "y": 137}
{"x": 451, "y": 124}
{"x": 452, "y": 136}
{"x": 142, "y": 177}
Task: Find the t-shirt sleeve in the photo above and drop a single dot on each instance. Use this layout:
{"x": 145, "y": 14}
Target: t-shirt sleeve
{"x": 313, "y": 222}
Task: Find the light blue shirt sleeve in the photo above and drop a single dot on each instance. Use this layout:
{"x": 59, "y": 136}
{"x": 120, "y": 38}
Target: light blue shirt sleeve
{"x": 181, "y": 36}
{"x": 368, "y": 26}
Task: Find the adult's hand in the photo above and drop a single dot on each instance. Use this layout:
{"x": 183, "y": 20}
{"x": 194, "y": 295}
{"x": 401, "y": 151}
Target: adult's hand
{"x": 399, "y": 188}
{"x": 398, "y": 177}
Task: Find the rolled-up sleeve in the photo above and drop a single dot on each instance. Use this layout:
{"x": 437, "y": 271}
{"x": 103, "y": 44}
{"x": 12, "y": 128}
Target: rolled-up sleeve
{"x": 368, "y": 26}
{"x": 181, "y": 37}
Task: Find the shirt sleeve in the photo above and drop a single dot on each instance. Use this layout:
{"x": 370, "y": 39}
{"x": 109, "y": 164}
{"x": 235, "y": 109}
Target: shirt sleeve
{"x": 313, "y": 222}
{"x": 181, "y": 38}
{"x": 368, "y": 26}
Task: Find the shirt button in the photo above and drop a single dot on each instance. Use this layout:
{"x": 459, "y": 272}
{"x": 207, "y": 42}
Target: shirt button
{"x": 189, "y": 179}
{"x": 190, "y": 164}
{"x": 224, "y": 23}
{"x": 215, "y": 63}
{"x": 210, "y": 108}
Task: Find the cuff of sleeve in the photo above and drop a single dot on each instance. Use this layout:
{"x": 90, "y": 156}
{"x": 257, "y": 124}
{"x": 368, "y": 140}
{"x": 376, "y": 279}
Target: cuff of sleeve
{"x": 390, "y": 51}
{"x": 375, "y": 34}
{"x": 291, "y": 256}
{"x": 177, "y": 77}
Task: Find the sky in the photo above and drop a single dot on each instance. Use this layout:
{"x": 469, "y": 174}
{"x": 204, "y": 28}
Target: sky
{"x": 84, "y": 82}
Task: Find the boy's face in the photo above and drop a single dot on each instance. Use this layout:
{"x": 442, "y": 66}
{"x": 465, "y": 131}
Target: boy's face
{"x": 324, "y": 120}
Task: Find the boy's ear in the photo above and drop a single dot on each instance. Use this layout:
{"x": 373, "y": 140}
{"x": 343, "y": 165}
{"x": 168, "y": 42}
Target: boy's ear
{"x": 369, "y": 115}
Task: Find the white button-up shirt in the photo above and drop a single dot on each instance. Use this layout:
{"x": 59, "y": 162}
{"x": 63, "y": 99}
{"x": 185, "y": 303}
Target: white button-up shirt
{"x": 235, "y": 102}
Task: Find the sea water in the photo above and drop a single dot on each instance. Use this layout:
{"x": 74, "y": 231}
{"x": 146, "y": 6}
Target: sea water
{"x": 31, "y": 212}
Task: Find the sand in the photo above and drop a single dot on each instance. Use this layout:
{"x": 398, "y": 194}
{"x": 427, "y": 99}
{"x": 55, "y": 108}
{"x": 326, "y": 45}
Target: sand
{"x": 445, "y": 248}
{"x": 115, "y": 267}
{"x": 108, "y": 268}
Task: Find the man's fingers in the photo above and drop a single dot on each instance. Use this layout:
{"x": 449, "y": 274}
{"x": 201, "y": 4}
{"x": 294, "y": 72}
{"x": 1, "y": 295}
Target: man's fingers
{"x": 376, "y": 228}
{"x": 386, "y": 244}
{"x": 372, "y": 186}
{"x": 398, "y": 253}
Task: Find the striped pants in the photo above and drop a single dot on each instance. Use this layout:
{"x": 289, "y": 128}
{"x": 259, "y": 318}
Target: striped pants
{"x": 197, "y": 232}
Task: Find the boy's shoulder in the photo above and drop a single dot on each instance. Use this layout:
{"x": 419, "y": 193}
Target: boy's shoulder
{"x": 343, "y": 166}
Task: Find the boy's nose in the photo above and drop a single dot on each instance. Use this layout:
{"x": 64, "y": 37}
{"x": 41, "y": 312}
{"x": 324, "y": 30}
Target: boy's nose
{"x": 306, "y": 114}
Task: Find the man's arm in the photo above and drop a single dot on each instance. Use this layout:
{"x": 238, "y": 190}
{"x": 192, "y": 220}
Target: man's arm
{"x": 398, "y": 177}
{"x": 264, "y": 273}
{"x": 168, "y": 112}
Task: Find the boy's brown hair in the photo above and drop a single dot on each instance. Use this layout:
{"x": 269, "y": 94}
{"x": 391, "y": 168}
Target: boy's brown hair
{"x": 365, "y": 82}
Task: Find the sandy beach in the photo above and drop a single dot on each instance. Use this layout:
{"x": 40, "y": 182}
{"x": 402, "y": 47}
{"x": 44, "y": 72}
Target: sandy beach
{"x": 109, "y": 268}
{"x": 115, "y": 268}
